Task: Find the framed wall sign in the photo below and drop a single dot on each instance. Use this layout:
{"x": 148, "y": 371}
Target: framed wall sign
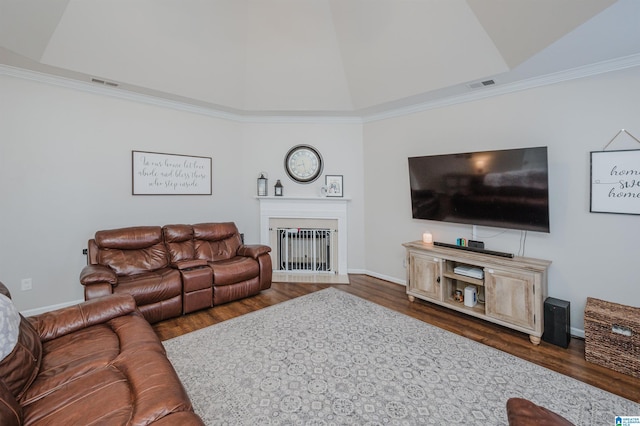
{"x": 334, "y": 185}
{"x": 615, "y": 182}
{"x": 155, "y": 173}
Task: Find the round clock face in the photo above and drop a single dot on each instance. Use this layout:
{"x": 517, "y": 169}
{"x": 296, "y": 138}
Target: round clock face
{"x": 303, "y": 163}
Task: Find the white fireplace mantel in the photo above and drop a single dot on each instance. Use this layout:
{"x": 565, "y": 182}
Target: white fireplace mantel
{"x": 307, "y": 208}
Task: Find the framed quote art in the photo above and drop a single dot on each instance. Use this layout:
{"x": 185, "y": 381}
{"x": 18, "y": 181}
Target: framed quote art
{"x": 155, "y": 173}
{"x": 615, "y": 182}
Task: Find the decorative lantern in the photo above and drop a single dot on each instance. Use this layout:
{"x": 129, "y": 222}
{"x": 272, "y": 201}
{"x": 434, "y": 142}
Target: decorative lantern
{"x": 278, "y": 189}
{"x": 262, "y": 186}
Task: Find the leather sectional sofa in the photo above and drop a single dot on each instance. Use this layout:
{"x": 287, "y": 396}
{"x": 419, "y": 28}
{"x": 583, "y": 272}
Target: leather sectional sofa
{"x": 98, "y": 362}
{"x": 175, "y": 269}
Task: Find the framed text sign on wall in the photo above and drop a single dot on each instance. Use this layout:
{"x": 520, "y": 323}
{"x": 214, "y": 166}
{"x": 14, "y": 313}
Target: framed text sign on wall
{"x": 155, "y": 173}
{"x": 615, "y": 182}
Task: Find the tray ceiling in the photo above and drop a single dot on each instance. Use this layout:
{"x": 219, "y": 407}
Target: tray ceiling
{"x": 341, "y": 57}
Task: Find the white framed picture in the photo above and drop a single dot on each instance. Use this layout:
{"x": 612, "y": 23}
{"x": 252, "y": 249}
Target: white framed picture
{"x": 155, "y": 173}
{"x": 615, "y": 182}
{"x": 334, "y": 185}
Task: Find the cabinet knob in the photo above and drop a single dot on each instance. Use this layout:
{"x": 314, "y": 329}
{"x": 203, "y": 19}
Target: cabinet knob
{"x": 438, "y": 280}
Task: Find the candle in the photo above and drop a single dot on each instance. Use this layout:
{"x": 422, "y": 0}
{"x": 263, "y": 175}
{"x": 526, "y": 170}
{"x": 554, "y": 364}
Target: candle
{"x": 427, "y": 238}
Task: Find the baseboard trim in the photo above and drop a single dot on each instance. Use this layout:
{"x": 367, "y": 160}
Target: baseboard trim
{"x": 576, "y": 332}
{"x": 385, "y": 277}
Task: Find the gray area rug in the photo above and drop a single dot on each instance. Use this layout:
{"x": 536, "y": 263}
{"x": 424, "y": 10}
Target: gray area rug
{"x": 331, "y": 358}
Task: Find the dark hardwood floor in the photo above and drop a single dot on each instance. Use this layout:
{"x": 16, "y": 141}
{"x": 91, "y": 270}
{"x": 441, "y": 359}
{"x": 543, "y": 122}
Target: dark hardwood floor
{"x": 568, "y": 361}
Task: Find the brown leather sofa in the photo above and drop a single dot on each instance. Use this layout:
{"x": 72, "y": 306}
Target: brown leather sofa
{"x": 98, "y": 362}
{"x": 175, "y": 269}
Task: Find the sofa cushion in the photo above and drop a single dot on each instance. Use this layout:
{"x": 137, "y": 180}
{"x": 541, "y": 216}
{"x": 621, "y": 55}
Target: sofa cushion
{"x": 234, "y": 270}
{"x": 89, "y": 349}
{"x": 214, "y": 231}
{"x": 71, "y": 356}
{"x": 99, "y": 397}
{"x": 133, "y": 238}
{"x": 151, "y": 287}
{"x": 216, "y": 241}
{"x": 130, "y": 251}
{"x": 131, "y": 262}
{"x": 179, "y": 241}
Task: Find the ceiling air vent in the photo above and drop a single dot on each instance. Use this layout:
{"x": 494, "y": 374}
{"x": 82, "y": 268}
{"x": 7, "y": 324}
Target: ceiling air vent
{"x": 103, "y": 82}
{"x": 480, "y": 84}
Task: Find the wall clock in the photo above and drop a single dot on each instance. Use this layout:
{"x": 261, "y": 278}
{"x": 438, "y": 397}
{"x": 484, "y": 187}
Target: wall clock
{"x": 303, "y": 163}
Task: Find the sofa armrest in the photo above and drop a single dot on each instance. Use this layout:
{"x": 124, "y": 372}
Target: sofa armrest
{"x": 253, "y": 250}
{"x": 97, "y": 274}
{"x": 189, "y": 264}
{"x": 51, "y": 325}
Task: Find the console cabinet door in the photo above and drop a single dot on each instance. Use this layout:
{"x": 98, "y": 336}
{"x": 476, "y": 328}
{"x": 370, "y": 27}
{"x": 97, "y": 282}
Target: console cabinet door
{"x": 424, "y": 277}
{"x": 510, "y": 297}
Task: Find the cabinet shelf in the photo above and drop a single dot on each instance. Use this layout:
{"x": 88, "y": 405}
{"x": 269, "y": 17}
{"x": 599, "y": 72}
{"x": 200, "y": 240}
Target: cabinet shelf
{"x": 513, "y": 290}
{"x": 464, "y": 278}
{"x": 460, "y": 306}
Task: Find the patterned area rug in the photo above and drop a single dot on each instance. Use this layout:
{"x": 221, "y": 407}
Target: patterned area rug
{"x": 331, "y": 358}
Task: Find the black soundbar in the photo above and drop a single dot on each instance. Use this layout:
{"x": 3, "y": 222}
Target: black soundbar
{"x": 474, "y": 249}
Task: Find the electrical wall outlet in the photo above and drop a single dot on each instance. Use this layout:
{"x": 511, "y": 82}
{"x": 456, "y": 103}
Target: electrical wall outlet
{"x": 26, "y": 284}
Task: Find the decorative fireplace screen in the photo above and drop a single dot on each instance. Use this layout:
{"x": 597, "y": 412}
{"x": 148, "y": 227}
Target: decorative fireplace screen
{"x": 305, "y": 249}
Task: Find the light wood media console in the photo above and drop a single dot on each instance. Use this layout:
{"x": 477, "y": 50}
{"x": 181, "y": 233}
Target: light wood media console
{"x": 511, "y": 293}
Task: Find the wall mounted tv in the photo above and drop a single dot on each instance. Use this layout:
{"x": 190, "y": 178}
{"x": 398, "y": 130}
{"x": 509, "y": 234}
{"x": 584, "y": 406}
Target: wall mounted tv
{"x": 505, "y": 188}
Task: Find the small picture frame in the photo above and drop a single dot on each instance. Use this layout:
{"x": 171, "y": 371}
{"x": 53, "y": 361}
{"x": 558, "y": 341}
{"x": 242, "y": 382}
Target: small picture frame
{"x": 334, "y": 185}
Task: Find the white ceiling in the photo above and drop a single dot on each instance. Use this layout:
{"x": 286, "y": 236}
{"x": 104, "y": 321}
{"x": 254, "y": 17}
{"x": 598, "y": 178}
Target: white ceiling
{"x": 338, "y": 57}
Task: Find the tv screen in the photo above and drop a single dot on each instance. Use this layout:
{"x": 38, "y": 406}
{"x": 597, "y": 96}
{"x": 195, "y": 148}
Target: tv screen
{"x": 504, "y": 188}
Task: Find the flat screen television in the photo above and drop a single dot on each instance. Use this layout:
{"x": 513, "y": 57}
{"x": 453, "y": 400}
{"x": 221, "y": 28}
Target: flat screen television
{"x": 504, "y": 188}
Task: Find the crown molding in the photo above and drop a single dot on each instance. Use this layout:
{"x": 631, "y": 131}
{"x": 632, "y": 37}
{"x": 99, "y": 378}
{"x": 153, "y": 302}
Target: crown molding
{"x": 326, "y": 117}
{"x": 114, "y": 92}
{"x": 506, "y": 88}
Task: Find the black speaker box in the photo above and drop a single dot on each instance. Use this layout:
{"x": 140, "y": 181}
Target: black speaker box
{"x": 557, "y": 322}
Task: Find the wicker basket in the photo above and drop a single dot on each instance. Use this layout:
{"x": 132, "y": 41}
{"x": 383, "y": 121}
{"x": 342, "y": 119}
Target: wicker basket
{"x": 612, "y": 336}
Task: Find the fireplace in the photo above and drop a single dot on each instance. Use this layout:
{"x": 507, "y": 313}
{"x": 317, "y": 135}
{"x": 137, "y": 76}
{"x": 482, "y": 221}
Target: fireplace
{"x": 307, "y": 250}
{"x": 306, "y": 235}
{"x": 304, "y": 245}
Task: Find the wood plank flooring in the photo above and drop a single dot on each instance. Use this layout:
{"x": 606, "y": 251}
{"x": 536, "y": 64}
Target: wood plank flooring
{"x": 568, "y": 361}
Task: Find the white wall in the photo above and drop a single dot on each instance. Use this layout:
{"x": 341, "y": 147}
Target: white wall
{"x": 65, "y": 172}
{"x": 593, "y": 254}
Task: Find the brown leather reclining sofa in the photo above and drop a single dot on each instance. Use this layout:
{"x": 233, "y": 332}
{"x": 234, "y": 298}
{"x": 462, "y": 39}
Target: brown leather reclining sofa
{"x": 175, "y": 269}
{"x": 98, "y": 362}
